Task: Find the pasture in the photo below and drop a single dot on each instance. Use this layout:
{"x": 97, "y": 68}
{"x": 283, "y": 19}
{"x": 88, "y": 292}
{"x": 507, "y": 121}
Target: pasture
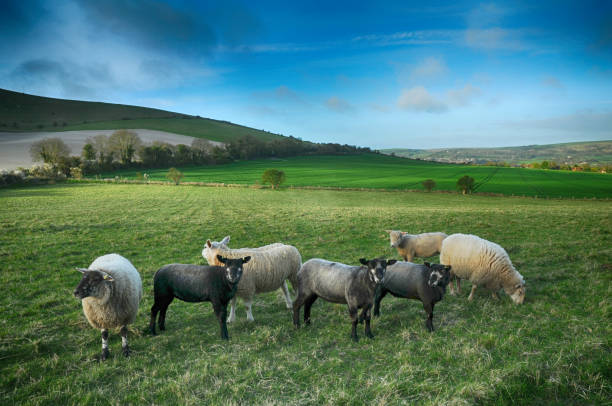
{"x": 556, "y": 347}
{"x": 386, "y": 172}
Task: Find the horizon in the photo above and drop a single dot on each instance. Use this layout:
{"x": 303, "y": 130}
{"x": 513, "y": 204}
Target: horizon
{"x": 469, "y": 75}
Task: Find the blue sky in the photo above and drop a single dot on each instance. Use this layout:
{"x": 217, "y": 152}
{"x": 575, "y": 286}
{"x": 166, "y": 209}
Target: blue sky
{"x": 391, "y": 74}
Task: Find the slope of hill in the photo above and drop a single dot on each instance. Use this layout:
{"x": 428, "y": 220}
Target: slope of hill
{"x": 21, "y": 112}
{"x": 571, "y": 153}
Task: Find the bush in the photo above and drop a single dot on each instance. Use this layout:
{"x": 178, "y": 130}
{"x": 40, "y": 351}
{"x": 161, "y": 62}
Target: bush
{"x": 274, "y": 177}
{"x": 429, "y": 184}
{"x": 76, "y": 173}
{"x": 174, "y": 175}
{"x": 466, "y": 184}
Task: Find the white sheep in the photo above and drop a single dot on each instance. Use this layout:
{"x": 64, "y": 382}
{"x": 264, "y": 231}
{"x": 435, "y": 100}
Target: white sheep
{"x": 484, "y": 263}
{"x": 268, "y": 270}
{"x": 416, "y": 245}
{"x": 110, "y": 290}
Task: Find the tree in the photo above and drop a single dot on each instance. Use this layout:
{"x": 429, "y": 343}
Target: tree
{"x": 545, "y": 165}
{"x": 466, "y": 184}
{"x": 174, "y": 175}
{"x": 429, "y": 184}
{"x": 49, "y": 150}
{"x": 124, "y": 144}
{"x": 89, "y": 152}
{"x": 274, "y": 177}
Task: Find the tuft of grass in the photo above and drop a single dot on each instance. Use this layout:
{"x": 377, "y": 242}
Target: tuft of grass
{"x": 553, "y": 349}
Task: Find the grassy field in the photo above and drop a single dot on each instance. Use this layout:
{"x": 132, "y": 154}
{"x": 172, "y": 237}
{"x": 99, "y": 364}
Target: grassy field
{"x": 386, "y": 172}
{"x": 555, "y": 348}
{"x": 24, "y": 112}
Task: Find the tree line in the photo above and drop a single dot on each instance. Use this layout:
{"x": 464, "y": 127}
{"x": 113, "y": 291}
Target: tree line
{"x": 124, "y": 149}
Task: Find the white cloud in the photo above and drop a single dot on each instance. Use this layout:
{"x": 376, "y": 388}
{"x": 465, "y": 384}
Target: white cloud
{"x": 419, "y": 99}
{"x": 553, "y": 82}
{"x": 338, "y": 105}
{"x": 429, "y": 68}
{"x": 463, "y": 96}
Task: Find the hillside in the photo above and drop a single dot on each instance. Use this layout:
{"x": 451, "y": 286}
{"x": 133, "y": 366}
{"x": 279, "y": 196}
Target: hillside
{"x": 595, "y": 152}
{"x": 21, "y": 112}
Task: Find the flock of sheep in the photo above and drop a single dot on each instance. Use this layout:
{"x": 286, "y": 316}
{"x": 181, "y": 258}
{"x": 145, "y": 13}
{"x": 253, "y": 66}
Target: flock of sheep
{"x": 111, "y": 288}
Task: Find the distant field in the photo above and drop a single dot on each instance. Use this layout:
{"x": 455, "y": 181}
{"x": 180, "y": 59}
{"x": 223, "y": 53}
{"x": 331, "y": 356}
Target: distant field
{"x": 386, "y": 172}
{"x": 554, "y": 349}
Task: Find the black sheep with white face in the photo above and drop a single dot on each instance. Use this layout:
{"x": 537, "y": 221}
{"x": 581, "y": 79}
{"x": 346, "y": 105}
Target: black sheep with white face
{"x": 426, "y": 283}
{"x": 197, "y": 283}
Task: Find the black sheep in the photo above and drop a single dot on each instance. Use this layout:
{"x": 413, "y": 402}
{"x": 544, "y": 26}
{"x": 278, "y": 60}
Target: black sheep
{"x": 197, "y": 283}
{"x": 426, "y": 283}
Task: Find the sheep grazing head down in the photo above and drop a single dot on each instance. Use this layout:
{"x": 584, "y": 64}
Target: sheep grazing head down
{"x": 518, "y": 296}
{"x": 94, "y": 283}
{"x": 233, "y": 267}
{"x": 377, "y": 268}
{"x": 439, "y": 276}
{"x": 211, "y": 250}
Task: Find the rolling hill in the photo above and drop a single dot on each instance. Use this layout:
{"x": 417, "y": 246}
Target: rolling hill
{"x": 21, "y": 112}
{"x": 595, "y": 152}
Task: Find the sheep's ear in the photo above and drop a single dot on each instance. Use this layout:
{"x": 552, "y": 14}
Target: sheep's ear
{"x": 363, "y": 261}
{"x": 246, "y": 259}
{"x": 447, "y": 268}
{"x": 427, "y": 264}
{"x": 82, "y": 270}
{"x": 221, "y": 259}
{"x": 208, "y": 244}
{"x": 107, "y": 277}
{"x": 388, "y": 231}
{"x": 225, "y": 240}
{"x": 517, "y": 286}
{"x": 391, "y": 262}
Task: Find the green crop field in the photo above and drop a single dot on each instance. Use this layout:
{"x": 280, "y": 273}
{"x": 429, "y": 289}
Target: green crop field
{"x": 386, "y": 172}
{"x": 554, "y": 349}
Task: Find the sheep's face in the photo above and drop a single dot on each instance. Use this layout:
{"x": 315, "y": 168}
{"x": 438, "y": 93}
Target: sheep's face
{"x": 93, "y": 283}
{"x": 518, "y": 296}
{"x": 439, "y": 276}
{"x": 233, "y": 267}
{"x": 395, "y": 237}
{"x": 377, "y": 268}
{"x": 211, "y": 250}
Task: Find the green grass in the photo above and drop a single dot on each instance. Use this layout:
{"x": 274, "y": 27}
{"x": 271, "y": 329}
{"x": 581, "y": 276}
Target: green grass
{"x": 386, "y": 172}
{"x": 555, "y": 348}
{"x": 24, "y": 112}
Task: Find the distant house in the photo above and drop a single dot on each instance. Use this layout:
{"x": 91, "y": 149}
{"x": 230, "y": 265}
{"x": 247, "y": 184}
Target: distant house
{"x": 576, "y": 169}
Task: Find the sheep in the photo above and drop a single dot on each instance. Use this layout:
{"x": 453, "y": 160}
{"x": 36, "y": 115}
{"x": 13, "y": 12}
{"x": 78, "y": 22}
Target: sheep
{"x": 340, "y": 283}
{"x": 426, "y": 283}
{"x": 195, "y": 283}
{"x": 484, "y": 263}
{"x": 110, "y": 291}
{"x": 270, "y": 267}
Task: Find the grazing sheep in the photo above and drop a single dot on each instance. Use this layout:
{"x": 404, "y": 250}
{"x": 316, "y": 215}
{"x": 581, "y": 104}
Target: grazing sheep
{"x": 195, "y": 283}
{"x": 416, "y": 245}
{"x": 270, "y": 267}
{"x": 110, "y": 291}
{"x": 426, "y": 283}
{"x": 340, "y": 283}
{"x": 484, "y": 263}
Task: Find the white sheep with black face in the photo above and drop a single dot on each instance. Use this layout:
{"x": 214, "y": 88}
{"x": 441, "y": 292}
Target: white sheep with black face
{"x": 110, "y": 291}
{"x": 269, "y": 268}
{"x": 484, "y": 263}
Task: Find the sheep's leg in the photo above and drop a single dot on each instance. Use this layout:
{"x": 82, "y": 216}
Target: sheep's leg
{"x": 458, "y": 281}
{"x": 453, "y": 281}
{"x": 429, "y": 310}
{"x": 154, "y": 311}
{"x": 299, "y": 301}
{"x": 249, "y": 304}
{"x": 307, "y": 305}
{"x": 471, "y": 296}
{"x": 354, "y": 320}
{"x": 381, "y": 292}
{"x": 232, "y": 315}
{"x": 366, "y": 314}
{"x": 105, "y": 352}
{"x": 124, "y": 341}
{"x": 287, "y": 296}
{"x": 221, "y": 313}
{"x": 162, "y": 314}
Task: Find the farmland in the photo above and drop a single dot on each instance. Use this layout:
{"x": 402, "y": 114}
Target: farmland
{"x": 386, "y": 172}
{"x": 555, "y": 348}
